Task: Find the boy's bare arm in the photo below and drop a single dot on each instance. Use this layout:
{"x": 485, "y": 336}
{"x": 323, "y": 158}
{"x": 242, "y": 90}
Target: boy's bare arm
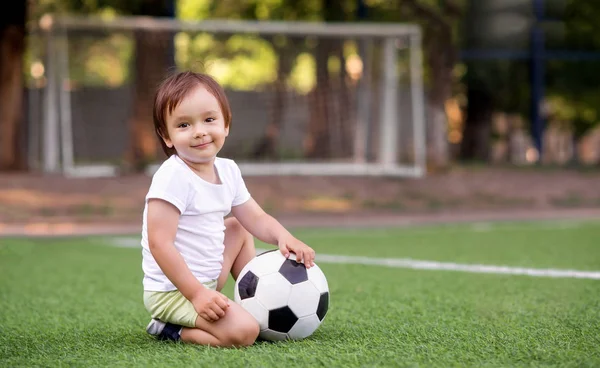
{"x": 258, "y": 222}
{"x": 269, "y": 230}
{"x": 162, "y": 222}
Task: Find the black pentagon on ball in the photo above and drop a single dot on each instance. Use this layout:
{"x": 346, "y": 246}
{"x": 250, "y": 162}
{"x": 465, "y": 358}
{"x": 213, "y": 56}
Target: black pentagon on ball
{"x": 282, "y": 319}
{"x": 247, "y": 285}
{"x": 293, "y": 271}
{"x": 323, "y": 305}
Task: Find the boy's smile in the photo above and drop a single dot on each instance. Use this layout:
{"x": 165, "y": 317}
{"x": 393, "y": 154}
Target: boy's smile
{"x": 202, "y": 145}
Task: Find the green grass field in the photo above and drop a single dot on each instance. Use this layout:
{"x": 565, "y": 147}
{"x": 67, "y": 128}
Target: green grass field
{"x": 78, "y": 302}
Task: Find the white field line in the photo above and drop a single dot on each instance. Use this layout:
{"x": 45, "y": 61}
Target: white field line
{"x": 423, "y": 265}
{"x": 449, "y": 266}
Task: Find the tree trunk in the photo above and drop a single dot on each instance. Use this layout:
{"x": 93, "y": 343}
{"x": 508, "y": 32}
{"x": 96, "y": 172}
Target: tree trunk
{"x": 153, "y": 58}
{"x": 149, "y": 69}
{"x": 438, "y": 148}
{"x": 267, "y": 146}
{"x": 438, "y": 152}
{"x": 318, "y": 143}
{"x": 442, "y": 56}
{"x": 346, "y": 119}
{"x": 475, "y": 143}
{"x": 12, "y": 47}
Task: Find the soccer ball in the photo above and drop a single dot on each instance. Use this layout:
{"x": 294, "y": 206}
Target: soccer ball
{"x": 288, "y": 300}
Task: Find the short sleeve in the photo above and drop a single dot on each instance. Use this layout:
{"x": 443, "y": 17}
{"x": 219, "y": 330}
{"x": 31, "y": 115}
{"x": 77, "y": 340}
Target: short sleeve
{"x": 170, "y": 186}
{"x": 241, "y": 194}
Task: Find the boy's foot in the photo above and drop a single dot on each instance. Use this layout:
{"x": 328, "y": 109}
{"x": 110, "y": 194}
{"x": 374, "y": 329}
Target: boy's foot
{"x": 164, "y": 331}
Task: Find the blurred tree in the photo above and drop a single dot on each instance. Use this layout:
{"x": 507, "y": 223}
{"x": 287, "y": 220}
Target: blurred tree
{"x": 500, "y": 83}
{"x": 442, "y": 56}
{"x": 491, "y": 85}
{"x": 153, "y": 56}
{"x": 319, "y": 140}
{"x": 286, "y": 50}
{"x": 267, "y": 145}
{"x": 504, "y": 85}
{"x": 12, "y": 48}
{"x": 490, "y": 25}
{"x": 572, "y": 83}
{"x": 440, "y": 21}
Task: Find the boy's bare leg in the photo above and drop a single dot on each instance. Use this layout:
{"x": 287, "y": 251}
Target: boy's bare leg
{"x": 237, "y": 328}
{"x": 239, "y": 250}
{"x": 197, "y": 336}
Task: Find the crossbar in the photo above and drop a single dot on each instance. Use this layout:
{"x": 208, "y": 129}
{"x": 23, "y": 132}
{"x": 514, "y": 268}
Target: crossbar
{"x": 129, "y": 23}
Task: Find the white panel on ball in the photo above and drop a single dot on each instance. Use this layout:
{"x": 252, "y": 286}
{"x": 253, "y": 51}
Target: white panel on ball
{"x": 317, "y": 277}
{"x": 273, "y": 335}
{"x": 260, "y": 313}
{"x": 304, "y": 299}
{"x": 273, "y": 291}
{"x": 266, "y": 263}
{"x": 304, "y": 327}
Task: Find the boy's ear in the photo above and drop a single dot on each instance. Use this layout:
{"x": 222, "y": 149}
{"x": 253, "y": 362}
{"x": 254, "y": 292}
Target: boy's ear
{"x": 227, "y": 132}
{"x": 166, "y": 139}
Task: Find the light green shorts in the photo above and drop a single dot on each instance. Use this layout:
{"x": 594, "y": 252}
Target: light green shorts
{"x": 172, "y": 306}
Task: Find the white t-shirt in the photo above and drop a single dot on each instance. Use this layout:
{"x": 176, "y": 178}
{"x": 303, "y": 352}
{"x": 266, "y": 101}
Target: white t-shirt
{"x": 203, "y": 206}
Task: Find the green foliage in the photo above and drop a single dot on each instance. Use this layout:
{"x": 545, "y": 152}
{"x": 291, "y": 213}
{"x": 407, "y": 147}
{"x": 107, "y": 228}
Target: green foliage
{"x": 573, "y": 84}
{"x": 308, "y": 10}
{"x": 243, "y": 62}
{"x": 101, "y": 62}
{"x": 89, "y": 7}
{"x": 581, "y": 21}
{"x": 93, "y": 60}
{"x": 250, "y": 62}
{"x": 193, "y": 9}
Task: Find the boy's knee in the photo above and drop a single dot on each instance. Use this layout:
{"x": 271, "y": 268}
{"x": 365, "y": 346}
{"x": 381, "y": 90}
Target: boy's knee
{"x": 246, "y": 334}
{"x": 232, "y": 224}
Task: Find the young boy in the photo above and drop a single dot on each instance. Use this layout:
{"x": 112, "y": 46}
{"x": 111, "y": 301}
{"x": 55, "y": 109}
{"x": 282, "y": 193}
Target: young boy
{"x": 189, "y": 248}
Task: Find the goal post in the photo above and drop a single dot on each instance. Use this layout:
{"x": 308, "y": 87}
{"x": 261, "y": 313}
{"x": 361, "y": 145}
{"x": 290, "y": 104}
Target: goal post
{"x": 335, "y": 99}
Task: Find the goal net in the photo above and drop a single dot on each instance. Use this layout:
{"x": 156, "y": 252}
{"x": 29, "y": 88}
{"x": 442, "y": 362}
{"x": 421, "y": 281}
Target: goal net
{"x": 306, "y": 98}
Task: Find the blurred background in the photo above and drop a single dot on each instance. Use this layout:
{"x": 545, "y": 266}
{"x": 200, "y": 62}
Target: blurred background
{"x": 399, "y": 106}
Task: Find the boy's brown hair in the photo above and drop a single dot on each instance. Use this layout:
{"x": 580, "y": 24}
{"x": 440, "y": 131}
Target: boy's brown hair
{"x": 173, "y": 90}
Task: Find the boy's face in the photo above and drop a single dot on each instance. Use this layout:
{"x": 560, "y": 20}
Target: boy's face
{"x": 196, "y": 127}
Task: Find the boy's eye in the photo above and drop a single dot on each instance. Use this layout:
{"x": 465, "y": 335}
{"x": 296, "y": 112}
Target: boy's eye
{"x": 210, "y": 120}
{"x": 183, "y": 125}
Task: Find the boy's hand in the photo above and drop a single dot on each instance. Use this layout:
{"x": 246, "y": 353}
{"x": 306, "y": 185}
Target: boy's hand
{"x": 210, "y": 304}
{"x": 304, "y": 253}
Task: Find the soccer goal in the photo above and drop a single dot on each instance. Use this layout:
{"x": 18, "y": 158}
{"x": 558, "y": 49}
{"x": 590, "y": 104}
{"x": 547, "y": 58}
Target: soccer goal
{"x": 307, "y": 98}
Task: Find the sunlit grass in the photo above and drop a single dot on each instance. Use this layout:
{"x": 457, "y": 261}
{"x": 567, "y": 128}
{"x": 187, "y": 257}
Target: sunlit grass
{"x": 78, "y": 302}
